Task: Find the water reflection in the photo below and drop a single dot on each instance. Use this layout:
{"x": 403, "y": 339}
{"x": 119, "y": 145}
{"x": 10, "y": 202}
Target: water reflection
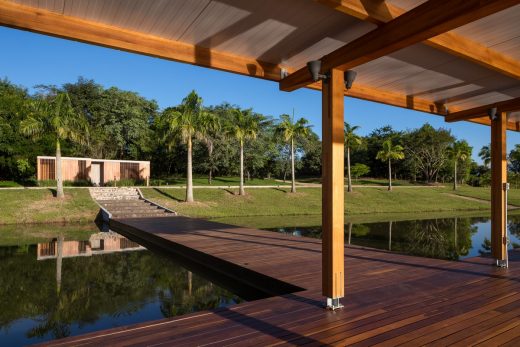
{"x": 445, "y": 238}
{"x": 62, "y": 287}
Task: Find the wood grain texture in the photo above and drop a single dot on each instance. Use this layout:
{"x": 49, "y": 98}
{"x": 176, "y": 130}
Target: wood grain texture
{"x": 421, "y": 23}
{"x": 503, "y": 106}
{"x": 498, "y": 179}
{"x": 380, "y": 12}
{"x": 333, "y": 178}
{"x": 390, "y": 299}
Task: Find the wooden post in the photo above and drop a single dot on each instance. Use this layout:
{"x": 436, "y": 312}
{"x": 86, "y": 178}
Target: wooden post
{"x": 333, "y": 173}
{"x": 498, "y": 179}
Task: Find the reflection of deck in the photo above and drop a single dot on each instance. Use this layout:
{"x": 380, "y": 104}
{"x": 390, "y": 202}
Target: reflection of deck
{"x": 390, "y": 298}
{"x": 99, "y": 243}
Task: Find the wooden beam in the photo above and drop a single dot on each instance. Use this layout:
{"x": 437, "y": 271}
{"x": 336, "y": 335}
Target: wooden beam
{"x": 333, "y": 184}
{"x": 50, "y": 23}
{"x": 498, "y": 179}
{"x": 380, "y": 12}
{"x": 481, "y": 111}
{"x": 421, "y": 23}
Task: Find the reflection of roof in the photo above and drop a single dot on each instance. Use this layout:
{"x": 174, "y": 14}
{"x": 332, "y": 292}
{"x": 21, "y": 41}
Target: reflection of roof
{"x": 403, "y": 64}
{"x": 99, "y": 243}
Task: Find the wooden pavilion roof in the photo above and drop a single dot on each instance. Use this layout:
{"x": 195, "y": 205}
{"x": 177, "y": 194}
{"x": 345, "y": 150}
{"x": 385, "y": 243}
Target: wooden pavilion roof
{"x": 468, "y": 58}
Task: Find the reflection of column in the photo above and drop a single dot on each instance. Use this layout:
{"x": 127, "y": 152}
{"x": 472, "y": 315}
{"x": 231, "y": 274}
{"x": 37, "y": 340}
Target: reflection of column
{"x": 59, "y": 259}
{"x": 349, "y": 232}
{"x": 390, "y": 235}
{"x": 190, "y": 275}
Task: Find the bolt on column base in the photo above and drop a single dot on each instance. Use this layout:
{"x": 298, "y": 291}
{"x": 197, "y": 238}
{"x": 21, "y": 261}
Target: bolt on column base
{"x": 333, "y": 304}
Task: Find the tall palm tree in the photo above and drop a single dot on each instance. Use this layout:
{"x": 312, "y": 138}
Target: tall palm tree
{"x": 291, "y": 131}
{"x": 485, "y": 155}
{"x": 388, "y": 153}
{"x": 244, "y": 126}
{"x": 184, "y": 121}
{"x": 208, "y": 126}
{"x": 55, "y": 116}
{"x": 460, "y": 151}
{"x": 351, "y": 139}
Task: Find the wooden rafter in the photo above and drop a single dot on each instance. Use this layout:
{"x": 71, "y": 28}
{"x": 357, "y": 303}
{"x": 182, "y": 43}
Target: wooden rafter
{"x": 380, "y": 12}
{"x": 481, "y": 111}
{"x": 421, "y": 23}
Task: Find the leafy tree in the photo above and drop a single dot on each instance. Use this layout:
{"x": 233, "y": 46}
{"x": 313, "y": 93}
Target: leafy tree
{"x": 460, "y": 151}
{"x": 351, "y": 139}
{"x": 244, "y": 126}
{"x": 388, "y": 153}
{"x": 485, "y": 155}
{"x": 514, "y": 159}
{"x": 359, "y": 170}
{"x": 185, "y": 121}
{"x": 291, "y": 131}
{"x": 209, "y": 125}
{"x": 55, "y": 115}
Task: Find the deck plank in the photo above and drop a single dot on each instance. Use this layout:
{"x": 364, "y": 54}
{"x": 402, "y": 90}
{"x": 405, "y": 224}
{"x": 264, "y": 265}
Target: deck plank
{"x": 391, "y": 299}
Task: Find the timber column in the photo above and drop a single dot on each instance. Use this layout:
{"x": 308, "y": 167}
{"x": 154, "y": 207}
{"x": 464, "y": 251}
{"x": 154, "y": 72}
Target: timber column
{"x": 498, "y": 181}
{"x": 333, "y": 190}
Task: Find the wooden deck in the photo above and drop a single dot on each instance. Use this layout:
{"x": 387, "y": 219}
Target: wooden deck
{"x": 391, "y": 299}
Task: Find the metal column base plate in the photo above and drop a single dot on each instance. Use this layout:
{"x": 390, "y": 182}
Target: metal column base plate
{"x": 333, "y": 304}
{"x": 501, "y": 263}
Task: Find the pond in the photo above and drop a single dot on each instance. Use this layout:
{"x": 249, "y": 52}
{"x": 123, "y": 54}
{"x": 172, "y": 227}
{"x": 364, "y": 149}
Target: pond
{"x": 443, "y": 237}
{"x": 57, "y": 286}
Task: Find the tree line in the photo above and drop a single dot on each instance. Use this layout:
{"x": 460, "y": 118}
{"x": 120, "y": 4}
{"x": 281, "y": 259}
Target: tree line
{"x": 85, "y": 119}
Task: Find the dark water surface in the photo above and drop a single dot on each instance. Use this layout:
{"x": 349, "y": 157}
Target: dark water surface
{"x": 84, "y": 281}
{"x": 444, "y": 238}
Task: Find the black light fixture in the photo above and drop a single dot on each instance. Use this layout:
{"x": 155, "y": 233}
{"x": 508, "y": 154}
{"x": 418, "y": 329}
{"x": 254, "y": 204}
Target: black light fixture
{"x": 314, "y": 67}
{"x": 350, "y": 76}
{"x": 492, "y": 113}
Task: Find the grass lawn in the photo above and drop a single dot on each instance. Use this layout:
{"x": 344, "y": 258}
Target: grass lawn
{"x": 365, "y": 182}
{"x": 484, "y": 193}
{"x": 217, "y": 181}
{"x": 211, "y": 203}
{"x": 9, "y": 184}
{"x": 39, "y": 206}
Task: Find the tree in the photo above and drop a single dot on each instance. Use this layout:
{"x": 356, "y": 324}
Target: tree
{"x": 359, "y": 170}
{"x": 244, "y": 125}
{"x": 460, "y": 151}
{"x": 514, "y": 159}
{"x": 388, "y": 153}
{"x": 291, "y": 131}
{"x": 209, "y": 125}
{"x": 55, "y": 115}
{"x": 351, "y": 139}
{"x": 185, "y": 121}
{"x": 485, "y": 155}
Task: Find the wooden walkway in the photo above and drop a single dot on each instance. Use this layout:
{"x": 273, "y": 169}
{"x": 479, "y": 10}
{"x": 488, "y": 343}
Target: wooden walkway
{"x": 391, "y": 299}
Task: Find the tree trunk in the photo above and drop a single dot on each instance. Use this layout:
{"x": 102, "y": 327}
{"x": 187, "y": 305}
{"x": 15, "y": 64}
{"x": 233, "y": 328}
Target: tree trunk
{"x": 389, "y": 174}
{"x": 210, "y": 153}
{"x": 241, "y": 191}
{"x": 349, "y": 232}
{"x": 189, "y": 177}
{"x": 293, "y": 178}
{"x": 349, "y": 178}
{"x": 59, "y": 178}
{"x": 455, "y": 176}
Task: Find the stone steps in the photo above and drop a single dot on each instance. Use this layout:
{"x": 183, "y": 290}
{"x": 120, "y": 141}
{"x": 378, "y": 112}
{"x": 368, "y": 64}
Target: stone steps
{"x": 127, "y": 203}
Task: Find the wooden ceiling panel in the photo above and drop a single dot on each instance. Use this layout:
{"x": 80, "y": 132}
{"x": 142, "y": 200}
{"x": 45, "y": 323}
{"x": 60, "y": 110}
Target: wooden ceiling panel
{"x": 406, "y": 4}
{"x": 484, "y": 99}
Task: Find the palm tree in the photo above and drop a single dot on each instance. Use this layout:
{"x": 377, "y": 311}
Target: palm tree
{"x": 184, "y": 121}
{"x": 351, "y": 139}
{"x": 208, "y": 125}
{"x": 387, "y": 153}
{"x": 291, "y": 132}
{"x": 485, "y": 155}
{"x": 460, "y": 151}
{"x": 55, "y": 116}
{"x": 244, "y": 125}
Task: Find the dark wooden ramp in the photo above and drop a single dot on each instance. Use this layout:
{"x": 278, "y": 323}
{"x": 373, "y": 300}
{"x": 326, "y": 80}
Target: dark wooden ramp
{"x": 391, "y": 299}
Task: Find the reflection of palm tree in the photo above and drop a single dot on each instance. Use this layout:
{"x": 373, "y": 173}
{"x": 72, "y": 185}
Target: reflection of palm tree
{"x": 59, "y": 260}
{"x": 349, "y": 232}
{"x": 390, "y": 235}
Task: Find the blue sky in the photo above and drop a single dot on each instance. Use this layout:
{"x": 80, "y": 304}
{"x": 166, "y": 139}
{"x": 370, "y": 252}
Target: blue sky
{"x": 30, "y": 59}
